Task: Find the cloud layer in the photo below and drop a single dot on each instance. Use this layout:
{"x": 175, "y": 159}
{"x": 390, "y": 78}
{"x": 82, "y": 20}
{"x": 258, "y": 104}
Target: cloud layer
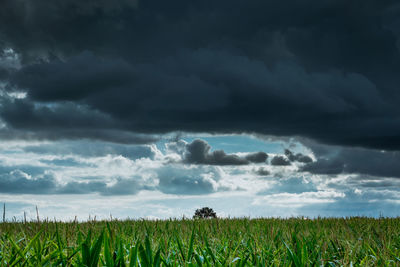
{"x": 198, "y": 152}
{"x": 169, "y": 179}
{"x": 326, "y": 71}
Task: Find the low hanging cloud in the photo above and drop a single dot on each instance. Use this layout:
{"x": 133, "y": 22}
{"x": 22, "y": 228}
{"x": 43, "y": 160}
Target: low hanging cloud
{"x": 181, "y": 180}
{"x": 299, "y": 157}
{"x": 19, "y": 182}
{"x": 280, "y": 161}
{"x": 119, "y": 187}
{"x": 198, "y": 152}
{"x": 258, "y": 157}
{"x": 262, "y": 171}
{"x": 185, "y": 185}
{"x": 334, "y": 160}
{"x": 66, "y": 169}
{"x": 142, "y": 67}
{"x": 290, "y": 185}
{"x": 92, "y": 149}
{"x": 79, "y": 168}
{"x": 29, "y": 121}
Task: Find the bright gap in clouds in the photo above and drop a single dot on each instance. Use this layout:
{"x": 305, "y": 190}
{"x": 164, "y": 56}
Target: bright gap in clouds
{"x": 183, "y": 172}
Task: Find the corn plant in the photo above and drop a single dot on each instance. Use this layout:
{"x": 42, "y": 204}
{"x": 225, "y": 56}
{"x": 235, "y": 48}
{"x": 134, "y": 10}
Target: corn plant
{"x": 211, "y": 242}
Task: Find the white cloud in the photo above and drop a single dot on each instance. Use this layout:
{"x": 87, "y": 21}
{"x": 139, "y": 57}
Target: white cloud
{"x": 145, "y": 180}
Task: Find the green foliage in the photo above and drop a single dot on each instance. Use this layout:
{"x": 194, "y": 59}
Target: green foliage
{"x": 204, "y": 213}
{"x": 217, "y": 242}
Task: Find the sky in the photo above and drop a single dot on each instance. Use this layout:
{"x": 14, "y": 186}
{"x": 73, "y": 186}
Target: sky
{"x": 152, "y": 109}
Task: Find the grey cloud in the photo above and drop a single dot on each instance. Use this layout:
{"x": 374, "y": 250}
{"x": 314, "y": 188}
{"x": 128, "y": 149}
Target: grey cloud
{"x": 179, "y": 180}
{"x": 262, "y": 171}
{"x": 92, "y": 149}
{"x": 64, "y": 162}
{"x": 124, "y": 187}
{"x": 82, "y": 188}
{"x": 3, "y": 73}
{"x": 325, "y": 166}
{"x": 86, "y": 74}
{"x": 9, "y": 63}
{"x": 18, "y": 182}
{"x": 292, "y": 185}
{"x": 173, "y": 179}
{"x": 157, "y": 67}
{"x": 258, "y": 157}
{"x": 336, "y": 160}
{"x": 198, "y": 152}
{"x": 120, "y": 187}
{"x": 185, "y": 185}
{"x": 22, "y": 168}
{"x": 297, "y": 157}
{"x": 280, "y": 161}
{"x": 393, "y": 185}
{"x": 57, "y": 134}
{"x": 27, "y": 120}
{"x": 366, "y": 182}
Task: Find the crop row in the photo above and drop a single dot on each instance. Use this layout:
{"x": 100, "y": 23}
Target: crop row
{"x": 209, "y": 242}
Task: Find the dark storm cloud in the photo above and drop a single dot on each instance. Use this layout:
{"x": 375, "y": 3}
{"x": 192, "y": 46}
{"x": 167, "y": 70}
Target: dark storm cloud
{"x": 299, "y": 157}
{"x": 122, "y": 137}
{"x": 198, "y": 152}
{"x": 258, "y": 157}
{"x": 78, "y": 78}
{"x": 55, "y": 134}
{"x": 3, "y": 73}
{"x": 337, "y": 160}
{"x": 367, "y": 182}
{"x": 262, "y": 172}
{"x": 280, "y": 161}
{"x": 325, "y": 70}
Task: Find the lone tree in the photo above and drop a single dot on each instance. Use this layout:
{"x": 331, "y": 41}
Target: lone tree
{"x": 204, "y": 213}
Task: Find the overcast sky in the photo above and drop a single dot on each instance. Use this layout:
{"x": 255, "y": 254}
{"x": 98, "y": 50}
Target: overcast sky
{"x": 151, "y": 109}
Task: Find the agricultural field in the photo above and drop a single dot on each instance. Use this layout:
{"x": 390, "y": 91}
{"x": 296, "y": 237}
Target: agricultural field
{"x": 353, "y": 241}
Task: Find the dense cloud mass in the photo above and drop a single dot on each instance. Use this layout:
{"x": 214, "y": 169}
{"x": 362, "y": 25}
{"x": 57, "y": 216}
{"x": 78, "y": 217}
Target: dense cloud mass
{"x": 262, "y": 171}
{"x": 19, "y": 182}
{"x": 327, "y": 71}
{"x": 297, "y": 157}
{"x": 338, "y": 160}
{"x": 198, "y": 152}
{"x": 96, "y": 177}
{"x": 186, "y": 181}
{"x": 280, "y": 161}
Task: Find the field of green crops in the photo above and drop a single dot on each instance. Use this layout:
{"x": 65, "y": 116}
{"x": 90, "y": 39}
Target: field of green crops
{"x": 209, "y": 242}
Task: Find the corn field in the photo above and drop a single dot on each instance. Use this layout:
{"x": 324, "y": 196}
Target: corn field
{"x": 353, "y": 241}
